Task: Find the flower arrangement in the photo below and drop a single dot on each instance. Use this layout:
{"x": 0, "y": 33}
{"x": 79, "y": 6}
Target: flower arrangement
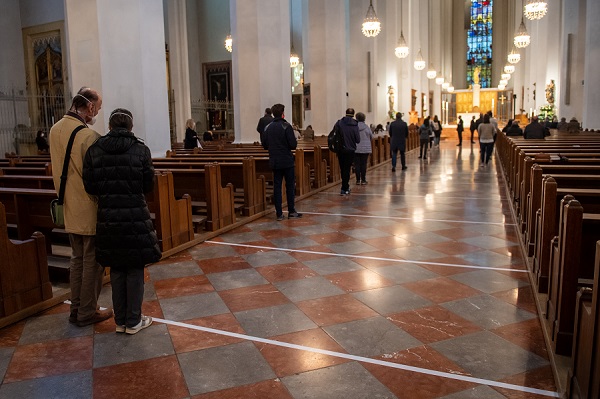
{"x": 547, "y": 111}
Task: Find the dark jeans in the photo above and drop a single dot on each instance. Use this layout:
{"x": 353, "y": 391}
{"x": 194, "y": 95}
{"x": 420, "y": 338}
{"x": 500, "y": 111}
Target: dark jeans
{"x": 424, "y": 143}
{"x": 360, "y": 166}
{"x": 460, "y": 137}
{"x": 127, "y": 295}
{"x": 472, "y": 134}
{"x": 290, "y": 189}
{"x": 486, "y": 152}
{"x": 395, "y": 157}
{"x": 345, "y": 159}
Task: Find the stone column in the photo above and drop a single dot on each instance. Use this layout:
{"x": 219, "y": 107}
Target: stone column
{"x": 261, "y": 73}
{"x": 12, "y": 66}
{"x": 179, "y": 65}
{"x": 119, "y": 48}
{"x": 325, "y": 62}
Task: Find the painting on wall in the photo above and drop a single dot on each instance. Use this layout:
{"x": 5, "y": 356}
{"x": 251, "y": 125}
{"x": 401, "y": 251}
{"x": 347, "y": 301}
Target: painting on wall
{"x": 217, "y": 81}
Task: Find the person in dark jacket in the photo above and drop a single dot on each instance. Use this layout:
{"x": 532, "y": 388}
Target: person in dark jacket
{"x": 41, "y": 140}
{"x": 207, "y": 136}
{"x": 349, "y": 129}
{"x": 534, "y": 130}
{"x": 118, "y": 171}
{"x": 514, "y": 129}
{"x": 191, "y": 137}
{"x": 280, "y": 140}
{"x": 398, "y": 134}
{"x": 459, "y": 129}
{"x": 472, "y": 128}
{"x": 264, "y": 121}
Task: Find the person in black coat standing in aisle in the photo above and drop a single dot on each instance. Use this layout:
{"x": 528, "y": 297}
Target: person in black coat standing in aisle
{"x": 459, "y": 129}
{"x": 279, "y": 139}
{"x": 264, "y": 121}
{"x": 349, "y": 129}
{"x": 118, "y": 170}
{"x": 398, "y": 135}
{"x": 472, "y": 128}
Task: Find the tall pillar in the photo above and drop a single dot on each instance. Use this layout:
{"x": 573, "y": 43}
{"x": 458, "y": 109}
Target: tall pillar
{"x": 591, "y": 95}
{"x": 12, "y": 66}
{"x": 325, "y": 62}
{"x": 178, "y": 65}
{"x": 261, "y": 74}
{"x": 119, "y": 48}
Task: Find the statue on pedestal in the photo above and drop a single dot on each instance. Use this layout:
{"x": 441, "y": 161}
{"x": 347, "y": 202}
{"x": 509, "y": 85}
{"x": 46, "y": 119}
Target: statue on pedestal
{"x": 391, "y": 98}
{"x": 476, "y": 73}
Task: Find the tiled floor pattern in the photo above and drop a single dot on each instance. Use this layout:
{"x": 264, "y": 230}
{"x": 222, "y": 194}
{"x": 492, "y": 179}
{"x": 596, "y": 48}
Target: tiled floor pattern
{"x": 414, "y": 286}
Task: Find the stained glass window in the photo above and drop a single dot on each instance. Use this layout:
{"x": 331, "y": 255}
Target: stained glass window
{"x": 479, "y": 43}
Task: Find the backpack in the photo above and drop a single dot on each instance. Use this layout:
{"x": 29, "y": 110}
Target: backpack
{"x": 335, "y": 140}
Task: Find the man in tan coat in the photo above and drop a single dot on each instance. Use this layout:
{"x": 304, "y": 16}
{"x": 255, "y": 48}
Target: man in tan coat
{"x": 79, "y": 208}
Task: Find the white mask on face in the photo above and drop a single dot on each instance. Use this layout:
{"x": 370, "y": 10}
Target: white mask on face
{"x": 92, "y": 121}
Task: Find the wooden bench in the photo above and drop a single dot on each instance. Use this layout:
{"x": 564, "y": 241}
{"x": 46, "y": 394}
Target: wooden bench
{"x": 45, "y": 170}
{"x": 573, "y": 261}
{"x": 24, "y": 277}
{"x": 583, "y": 379}
{"x": 15, "y": 181}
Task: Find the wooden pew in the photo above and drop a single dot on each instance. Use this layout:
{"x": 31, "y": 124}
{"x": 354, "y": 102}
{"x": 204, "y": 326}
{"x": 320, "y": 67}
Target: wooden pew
{"x": 172, "y": 217}
{"x": 573, "y": 261}
{"x": 45, "y": 170}
{"x": 16, "y": 181}
{"x": 583, "y": 380}
{"x": 29, "y": 210}
{"x": 565, "y": 176}
{"x": 548, "y": 225}
{"x": 24, "y": 277}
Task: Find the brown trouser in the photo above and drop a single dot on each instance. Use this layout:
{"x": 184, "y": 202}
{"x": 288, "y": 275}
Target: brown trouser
{"x": 85, "y": 275}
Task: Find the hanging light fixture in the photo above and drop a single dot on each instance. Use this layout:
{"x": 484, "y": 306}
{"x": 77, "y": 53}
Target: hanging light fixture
{"x": 509, "y": 68}
{"x": 294, "y": 58}
{"x": 445, "y": 85}
{"x": 513, "y": 56}
{"x": 431, "y": 73}
{"x": 439, "y": 80}
{"x": 505, "y": 76}
{"x": 450, "y": 89}
{"x": 501, "y": 87}
{"x": 535, "y": 9}
{"x": 420, "y": 62}
{"x": 503, "y": 82}
{"x": 371, "y": 25}
{"x": 401, "y": 49}
{"x": 229, "y": 43}
{"x": 522, "y": 38}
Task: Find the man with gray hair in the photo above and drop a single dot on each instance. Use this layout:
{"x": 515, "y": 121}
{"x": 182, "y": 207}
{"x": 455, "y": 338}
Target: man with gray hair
{"x": 79, "y": 208}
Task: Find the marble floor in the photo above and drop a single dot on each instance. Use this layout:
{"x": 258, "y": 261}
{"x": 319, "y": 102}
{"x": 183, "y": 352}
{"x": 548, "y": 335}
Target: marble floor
{"x": 414, "y": 286}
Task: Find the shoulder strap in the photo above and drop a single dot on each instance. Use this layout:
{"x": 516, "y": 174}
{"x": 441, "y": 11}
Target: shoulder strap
{"x": 63, "y": 176}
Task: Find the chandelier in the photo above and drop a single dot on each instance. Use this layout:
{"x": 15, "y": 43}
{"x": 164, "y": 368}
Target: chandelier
{"x": 431, "y": 73}
{"x": 228, "y": 43}
{"x": 419, "y": 62}
{"x": 445, "y": 85}
{"x": 509, "y": 68}
{"x": 505, "y": 76}
{"x": 401, "y": 48}
{"x": 439, "y": 81}
{"x": 522, "y": 38}
{"x": 501, "y": 87}
{"x": 450, "y": 89}
{"x": 371, "y": 25}
{"x": 535, "y": 9}
{"x": 503, "y": 82}
{"x": 513, "y": 56}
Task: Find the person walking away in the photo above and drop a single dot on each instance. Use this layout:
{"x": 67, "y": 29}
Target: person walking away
{"x": 398, "y": 134}
{"x": 349, "y": 129}
{"x": 459, "y": 130}
{"x": 424, "y": 133}
{"x": 191, "y": 136}
{"x": 437, "y": 130}
{"x": 279, "y": 139}
{"x": 472, "y": 128}
{"x": 85, "y": 274}
{"x": 264, "y": 121}
{"x": 486, "y": 139}
{"x": 118, "y": 171}
{"x": 42, "y": 142}
{"x": 363, "y": 149}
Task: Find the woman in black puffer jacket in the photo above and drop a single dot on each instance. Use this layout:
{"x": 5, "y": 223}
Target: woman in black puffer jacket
{"x": 118, "y": 171}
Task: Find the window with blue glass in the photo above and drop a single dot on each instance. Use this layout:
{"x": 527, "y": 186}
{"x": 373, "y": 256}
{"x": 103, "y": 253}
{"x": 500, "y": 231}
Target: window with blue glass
{"x": 479, "y": 43}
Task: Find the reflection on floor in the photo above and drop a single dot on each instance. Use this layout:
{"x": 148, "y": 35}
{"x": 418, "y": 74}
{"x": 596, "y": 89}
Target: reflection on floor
{"x": 414, "y": 286}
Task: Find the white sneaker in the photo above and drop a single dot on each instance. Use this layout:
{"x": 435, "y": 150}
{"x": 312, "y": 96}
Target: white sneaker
{"x": 120, "y": 329}
{"x": 144, "y": 322}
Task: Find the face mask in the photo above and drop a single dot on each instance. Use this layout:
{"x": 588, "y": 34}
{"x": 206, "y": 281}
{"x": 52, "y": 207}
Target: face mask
{"x": 92, "y": 121}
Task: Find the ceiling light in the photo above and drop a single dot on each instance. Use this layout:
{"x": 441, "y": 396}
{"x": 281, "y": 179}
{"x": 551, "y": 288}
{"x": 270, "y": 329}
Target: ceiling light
{"x": 371, "y": 25}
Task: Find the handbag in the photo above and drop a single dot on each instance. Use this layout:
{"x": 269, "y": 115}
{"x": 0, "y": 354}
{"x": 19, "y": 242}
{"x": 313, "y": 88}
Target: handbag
{"x": 57, "y": 205}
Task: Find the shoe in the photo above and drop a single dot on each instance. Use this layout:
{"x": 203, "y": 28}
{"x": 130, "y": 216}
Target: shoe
{"x": 472, "y": 142}
{"x": 404, "y": 168}
{"x": 458, "y": 145}
{"x": 144, "y": 322}
{"x": 358, "y": 182}
{"x": 425, "y": 158}
{"x": 294, "y": 215}
{"x": 120, "y": 329}
{"x": 393, "y": 169}
{"x": 280, "y": 217}
{"x": 364, "y": 182}
{"x": 73, "y": 317}
{"x": 99, "y": 316}
{"x": 420, "y": 157}
{"x": 344, "y": 193}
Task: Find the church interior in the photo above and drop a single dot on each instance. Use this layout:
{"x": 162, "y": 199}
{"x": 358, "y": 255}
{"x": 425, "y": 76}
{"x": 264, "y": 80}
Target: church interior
{"x": 451, "y": 279}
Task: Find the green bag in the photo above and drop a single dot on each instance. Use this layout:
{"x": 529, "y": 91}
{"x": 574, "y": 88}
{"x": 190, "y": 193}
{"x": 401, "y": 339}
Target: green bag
{"x": 57, "y": 213}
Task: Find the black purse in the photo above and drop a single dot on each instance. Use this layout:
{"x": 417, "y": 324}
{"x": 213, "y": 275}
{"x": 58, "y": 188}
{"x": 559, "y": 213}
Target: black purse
{"x": 57, "y": 205}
